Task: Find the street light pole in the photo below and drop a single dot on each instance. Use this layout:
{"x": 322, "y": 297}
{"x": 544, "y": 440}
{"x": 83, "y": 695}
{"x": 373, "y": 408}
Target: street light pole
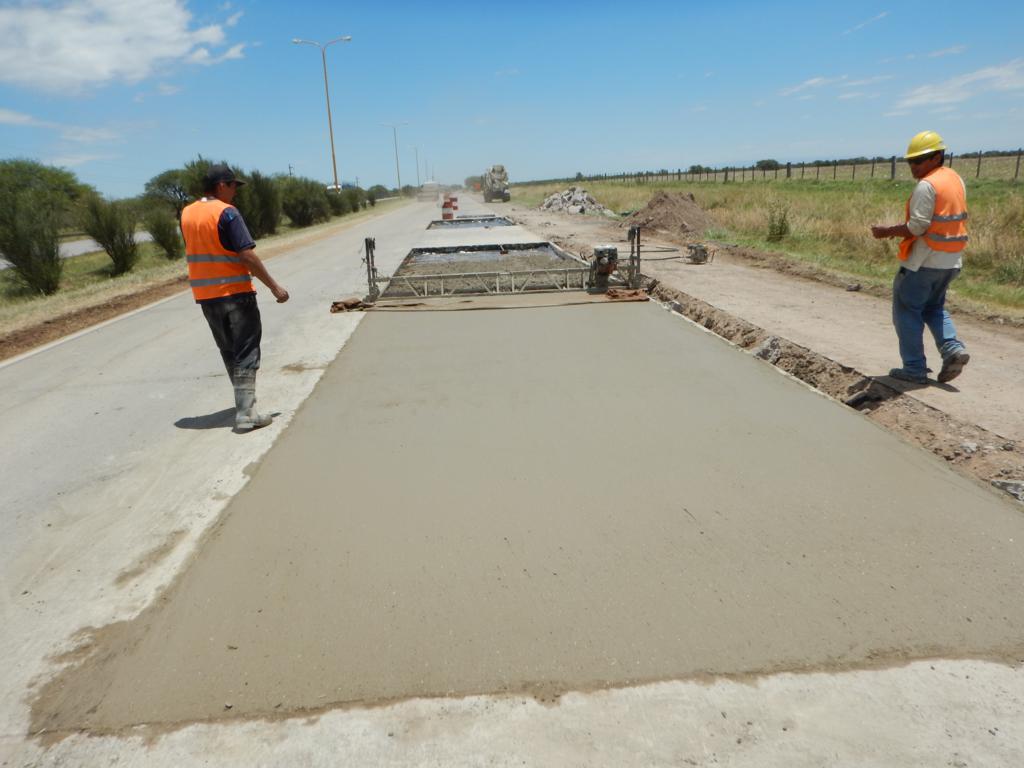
{"x": 417, "y": 151}
{"x": 394, "y": 133}
{"x": 327, "y": 94}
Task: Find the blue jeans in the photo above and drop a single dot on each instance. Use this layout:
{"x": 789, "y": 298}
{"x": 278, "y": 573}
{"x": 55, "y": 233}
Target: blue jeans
{"x": 919, "y": 300}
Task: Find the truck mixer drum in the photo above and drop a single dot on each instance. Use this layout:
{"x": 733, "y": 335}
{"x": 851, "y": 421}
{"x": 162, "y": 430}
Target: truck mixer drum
{"x": 604, "y": 263}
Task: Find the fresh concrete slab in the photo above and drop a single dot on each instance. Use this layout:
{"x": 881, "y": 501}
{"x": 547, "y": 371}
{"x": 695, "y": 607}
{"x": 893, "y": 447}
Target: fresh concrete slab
{"x": 554, "y": 500}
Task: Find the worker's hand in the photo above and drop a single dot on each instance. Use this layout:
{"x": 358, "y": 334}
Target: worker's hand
{"x": 879, "y": 233}
{"x": 280, "y": 294}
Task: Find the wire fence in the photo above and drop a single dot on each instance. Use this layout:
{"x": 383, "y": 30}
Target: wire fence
{"x": 974, "y": 165}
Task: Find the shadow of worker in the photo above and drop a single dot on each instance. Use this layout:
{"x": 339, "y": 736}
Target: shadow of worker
{"x": 220, "y": 420}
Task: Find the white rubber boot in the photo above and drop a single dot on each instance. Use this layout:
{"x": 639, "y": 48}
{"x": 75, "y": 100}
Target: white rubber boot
{"x": 246, "y": 416}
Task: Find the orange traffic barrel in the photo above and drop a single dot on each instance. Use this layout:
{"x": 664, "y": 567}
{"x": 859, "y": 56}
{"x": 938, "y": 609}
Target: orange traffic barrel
{"x": 446, "y": 210}
{"x": 455, "y": 203}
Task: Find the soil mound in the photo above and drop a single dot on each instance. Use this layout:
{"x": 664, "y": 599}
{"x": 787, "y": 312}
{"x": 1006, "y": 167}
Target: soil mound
{"x": 672, "y": 212}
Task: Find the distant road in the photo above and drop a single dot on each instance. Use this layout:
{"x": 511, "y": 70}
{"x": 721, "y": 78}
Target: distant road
{"x": 86, "y": 245}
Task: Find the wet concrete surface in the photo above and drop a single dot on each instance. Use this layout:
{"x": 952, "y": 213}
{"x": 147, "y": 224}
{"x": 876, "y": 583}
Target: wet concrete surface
{"x": 557, "y": 499}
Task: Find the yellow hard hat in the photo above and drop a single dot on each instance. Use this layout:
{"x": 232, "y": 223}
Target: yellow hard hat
{"x": 924, "y": 143}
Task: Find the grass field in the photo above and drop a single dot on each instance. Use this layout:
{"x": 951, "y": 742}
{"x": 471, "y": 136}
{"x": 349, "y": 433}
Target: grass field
{"x": 830, "y": 225}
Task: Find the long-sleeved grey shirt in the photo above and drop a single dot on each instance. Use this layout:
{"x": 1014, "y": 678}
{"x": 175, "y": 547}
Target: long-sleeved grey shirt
{"x": 922, "y": 207}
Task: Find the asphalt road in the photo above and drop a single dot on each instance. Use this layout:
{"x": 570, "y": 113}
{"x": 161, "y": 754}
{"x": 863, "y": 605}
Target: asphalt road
{"x": 545, "y": 502}
{"x": 83, "y": 246}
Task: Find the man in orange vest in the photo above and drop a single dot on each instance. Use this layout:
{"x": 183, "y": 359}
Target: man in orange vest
{"x": 934, "y": 236}
{"x": 221, "y": 265}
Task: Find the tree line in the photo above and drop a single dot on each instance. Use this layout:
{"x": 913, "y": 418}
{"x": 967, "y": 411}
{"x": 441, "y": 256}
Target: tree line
{"x": 38, "y": 203}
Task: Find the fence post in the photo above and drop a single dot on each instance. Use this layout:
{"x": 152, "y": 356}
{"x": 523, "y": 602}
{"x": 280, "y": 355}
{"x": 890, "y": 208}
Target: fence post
{"x": 854, "y": 177}
{"x": 872, "y": 168}
{"x": 789, "y": 170}
{"x": 1016, "y": 173}
{"x": 817, "y": 172}
{"x": 726, "y": 179}
{"x": 977, "y": 174}
{"x": 951, "y": 160}
{"x": 776, "y": 171}
{"x": 892, "y": 168}
{"x": 835, "y": 169}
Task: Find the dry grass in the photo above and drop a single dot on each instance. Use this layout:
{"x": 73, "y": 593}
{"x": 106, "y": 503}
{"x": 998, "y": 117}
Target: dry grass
{"x": 830, "y": 221}
{"x": 87, "y": 279}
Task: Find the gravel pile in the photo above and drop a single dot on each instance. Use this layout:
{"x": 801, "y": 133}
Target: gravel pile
{"x": 574, "y": 200}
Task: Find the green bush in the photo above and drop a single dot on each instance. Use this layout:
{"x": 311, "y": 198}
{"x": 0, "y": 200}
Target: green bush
{"x": 162, "y": 225}
{"x": 778, "y": 221}
{"x": 30, "y": 238}
{"x": 112, "y": 225}
{"x": 259, "y": 202}
{"x": 304, "y": 201}
{"x": 339, "y": 203}
{"x": 356, "y": 198}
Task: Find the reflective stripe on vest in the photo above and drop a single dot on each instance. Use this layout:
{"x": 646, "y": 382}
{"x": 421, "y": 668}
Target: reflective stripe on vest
{"x": 948, "y": 230}
{"x": 213, "y": 271}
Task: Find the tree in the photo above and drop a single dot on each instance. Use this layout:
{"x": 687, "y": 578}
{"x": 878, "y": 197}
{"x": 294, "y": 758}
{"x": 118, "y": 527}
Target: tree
{"x": 303, "y": 200}
{"x": 259, "y": 202}
{"x": 170, "y": 187}
{"x": 36, "y": 202}
{"x": 767, "y": 165}
{"x": 112, "y": 225}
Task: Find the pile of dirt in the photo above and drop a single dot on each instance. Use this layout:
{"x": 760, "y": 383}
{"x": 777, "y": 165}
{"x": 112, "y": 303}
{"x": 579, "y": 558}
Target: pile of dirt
{"x": 574, "y": 200}
{"x": 671, "y": 212}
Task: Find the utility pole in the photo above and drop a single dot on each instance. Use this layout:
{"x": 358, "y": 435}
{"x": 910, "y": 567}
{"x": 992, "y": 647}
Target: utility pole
{"x": 394, "y": 133}
{"x": 417, "y": 151}
{"x": 327, "y": 93}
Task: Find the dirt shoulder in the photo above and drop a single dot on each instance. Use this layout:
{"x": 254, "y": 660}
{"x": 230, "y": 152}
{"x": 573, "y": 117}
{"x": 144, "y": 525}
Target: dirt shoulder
{"x": 70, "y": 315}
{"x": 846, "y": 337}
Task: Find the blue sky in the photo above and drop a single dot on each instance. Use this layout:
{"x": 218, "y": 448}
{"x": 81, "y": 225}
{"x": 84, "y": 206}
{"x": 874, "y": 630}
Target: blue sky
{"x": 119, "y": 91}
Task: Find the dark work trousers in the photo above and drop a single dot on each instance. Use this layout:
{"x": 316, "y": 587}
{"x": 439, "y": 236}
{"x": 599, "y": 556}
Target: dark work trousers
{"x": 236, "y": 326}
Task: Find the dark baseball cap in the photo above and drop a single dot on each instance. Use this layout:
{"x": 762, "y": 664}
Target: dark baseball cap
{"x": 218, "y": 173}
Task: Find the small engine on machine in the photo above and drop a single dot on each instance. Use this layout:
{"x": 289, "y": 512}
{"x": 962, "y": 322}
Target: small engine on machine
{"x": 604, "y": 263}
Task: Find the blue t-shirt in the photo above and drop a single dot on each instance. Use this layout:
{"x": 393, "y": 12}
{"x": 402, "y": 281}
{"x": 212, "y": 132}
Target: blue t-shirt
{"x": 234, "y": 235}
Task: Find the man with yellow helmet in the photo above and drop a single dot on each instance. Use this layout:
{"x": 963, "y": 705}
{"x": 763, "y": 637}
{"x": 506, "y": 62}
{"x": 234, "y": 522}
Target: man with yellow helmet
{"x": 934, "y": 236}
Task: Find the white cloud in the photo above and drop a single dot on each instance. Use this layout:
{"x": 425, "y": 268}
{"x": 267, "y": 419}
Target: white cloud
{"x": 70, "y": 161}
{"x": 233, "y": 19}
{"x": 896, "y": 113}
{"x": 814, "y": 82}
{"x": 168, "y": 89}
{"x": 866, "y": 81}
{"x": 76, "y": 133}
{"x": 1003, "y": 77}
{"x": 863, "y": 24}
{"x": 203, "y": 56}
{"x": 73, "y": 44}
{"x": 10, "y": 117}
{"x": 953, "y": 50}
{"x": 852, "y": 95}
{"x": 84, "y": 135}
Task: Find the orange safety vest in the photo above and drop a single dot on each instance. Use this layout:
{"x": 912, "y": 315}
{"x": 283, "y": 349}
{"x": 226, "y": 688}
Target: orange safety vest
{"x": 948, "y": 230}
{"x": 213, "y": 271}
